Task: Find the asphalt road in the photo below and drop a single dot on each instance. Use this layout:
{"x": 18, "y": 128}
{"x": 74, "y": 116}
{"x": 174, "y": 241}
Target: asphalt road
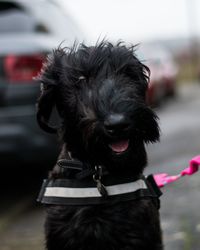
{"x": 180, "y": 141}
{"x": 21, "y": 225}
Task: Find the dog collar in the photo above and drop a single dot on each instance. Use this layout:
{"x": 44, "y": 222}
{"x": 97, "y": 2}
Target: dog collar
{"x": 85, "y": 192}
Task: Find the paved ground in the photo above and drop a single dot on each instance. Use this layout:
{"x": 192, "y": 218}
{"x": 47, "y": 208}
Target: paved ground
{"x": 180, "y": 125}
{"x": 25, "y": 232}
{"x": 21, "y": 227}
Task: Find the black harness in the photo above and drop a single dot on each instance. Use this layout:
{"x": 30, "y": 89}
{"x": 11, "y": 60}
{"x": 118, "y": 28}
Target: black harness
{"x": 83, "y": 186}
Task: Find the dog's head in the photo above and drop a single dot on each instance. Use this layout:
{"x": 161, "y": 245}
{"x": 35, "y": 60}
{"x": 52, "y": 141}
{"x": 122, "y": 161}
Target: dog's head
{"x": 99, "y": 93}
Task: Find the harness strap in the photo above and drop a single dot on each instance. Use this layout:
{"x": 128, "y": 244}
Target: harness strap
{"x": 81, "y": 192}
{"x": 83, "y": 185}
{"x": 154, "y": 189}
{"x": 75, "y": 169}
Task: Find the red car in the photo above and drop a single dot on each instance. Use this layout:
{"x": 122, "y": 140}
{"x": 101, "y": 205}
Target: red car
{"x": 163, "y": 72}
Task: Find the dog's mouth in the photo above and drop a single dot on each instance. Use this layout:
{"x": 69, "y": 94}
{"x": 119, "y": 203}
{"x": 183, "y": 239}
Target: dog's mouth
{"x": 119, "y": 147}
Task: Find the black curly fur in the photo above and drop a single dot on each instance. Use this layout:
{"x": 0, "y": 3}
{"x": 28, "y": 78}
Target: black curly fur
{"x": 87, "y": 85}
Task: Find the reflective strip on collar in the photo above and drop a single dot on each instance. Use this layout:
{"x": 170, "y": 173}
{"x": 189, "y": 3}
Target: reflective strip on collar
{"x": 79, "y": 192}
{"x": 67, "y": 192}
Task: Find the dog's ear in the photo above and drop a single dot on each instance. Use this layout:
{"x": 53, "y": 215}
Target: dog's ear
{"x": 49, "y": 79}
{"x": 126, "y": 61}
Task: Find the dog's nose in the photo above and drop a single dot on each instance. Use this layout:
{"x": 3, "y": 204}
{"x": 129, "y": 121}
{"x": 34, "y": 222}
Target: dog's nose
{"x": 115, "y": 123}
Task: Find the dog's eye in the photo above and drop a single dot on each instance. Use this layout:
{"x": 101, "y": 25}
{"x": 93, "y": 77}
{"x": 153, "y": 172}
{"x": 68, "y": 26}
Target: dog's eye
{"x": 82, "y": 78}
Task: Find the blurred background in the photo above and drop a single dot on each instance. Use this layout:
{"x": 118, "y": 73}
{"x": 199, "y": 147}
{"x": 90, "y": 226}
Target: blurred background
{"x": 168, "y": 36}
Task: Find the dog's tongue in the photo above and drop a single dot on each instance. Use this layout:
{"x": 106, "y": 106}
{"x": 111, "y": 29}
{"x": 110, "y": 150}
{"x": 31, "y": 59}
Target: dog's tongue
{"x": 120, "y": 146}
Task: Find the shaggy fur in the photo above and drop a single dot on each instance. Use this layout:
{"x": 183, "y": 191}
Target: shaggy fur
{"x": 99, "y": 93}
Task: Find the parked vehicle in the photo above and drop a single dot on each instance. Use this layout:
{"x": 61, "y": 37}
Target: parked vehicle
{"x": 164, "y": 72}
{"x": 28, "y": 32}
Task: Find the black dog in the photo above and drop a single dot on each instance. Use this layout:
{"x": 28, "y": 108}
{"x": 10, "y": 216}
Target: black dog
{"x": 96, "y": 196}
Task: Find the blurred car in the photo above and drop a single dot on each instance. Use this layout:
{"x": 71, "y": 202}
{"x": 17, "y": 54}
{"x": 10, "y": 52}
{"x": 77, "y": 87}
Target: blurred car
{"x": 28, "y": 32}
{"x": 164, "y": 72}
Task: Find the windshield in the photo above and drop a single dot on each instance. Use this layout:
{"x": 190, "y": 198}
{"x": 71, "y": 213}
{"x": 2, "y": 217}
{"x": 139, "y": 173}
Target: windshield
{"x": 43, "y": 17}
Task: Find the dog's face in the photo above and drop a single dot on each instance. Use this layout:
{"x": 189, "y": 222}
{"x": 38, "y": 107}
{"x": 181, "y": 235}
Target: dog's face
{"x": 100, "y": 94}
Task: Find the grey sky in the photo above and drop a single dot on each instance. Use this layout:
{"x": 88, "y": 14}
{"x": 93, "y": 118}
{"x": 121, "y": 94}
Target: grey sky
{"x": 136, "y": 20}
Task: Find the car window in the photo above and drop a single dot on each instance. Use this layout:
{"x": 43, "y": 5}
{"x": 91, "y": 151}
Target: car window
{"x": 14, "y": 18}
{"x": 43, "y": 17}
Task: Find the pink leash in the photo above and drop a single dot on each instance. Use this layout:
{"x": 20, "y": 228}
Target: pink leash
{"x": 163, "y": 179}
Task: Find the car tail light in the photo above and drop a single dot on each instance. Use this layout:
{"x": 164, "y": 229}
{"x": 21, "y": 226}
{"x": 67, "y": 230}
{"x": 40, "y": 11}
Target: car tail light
{"x": 22, "y": 68}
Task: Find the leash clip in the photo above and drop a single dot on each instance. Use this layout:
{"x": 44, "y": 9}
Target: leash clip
{"x": 97, "y": 178}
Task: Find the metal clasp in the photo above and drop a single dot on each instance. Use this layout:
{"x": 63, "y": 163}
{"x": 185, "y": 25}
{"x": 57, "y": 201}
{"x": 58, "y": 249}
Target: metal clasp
{"x": 97, "y": 178}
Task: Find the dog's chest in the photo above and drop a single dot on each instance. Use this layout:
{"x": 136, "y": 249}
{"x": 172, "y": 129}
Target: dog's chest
{"x": 103, "y": 225}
